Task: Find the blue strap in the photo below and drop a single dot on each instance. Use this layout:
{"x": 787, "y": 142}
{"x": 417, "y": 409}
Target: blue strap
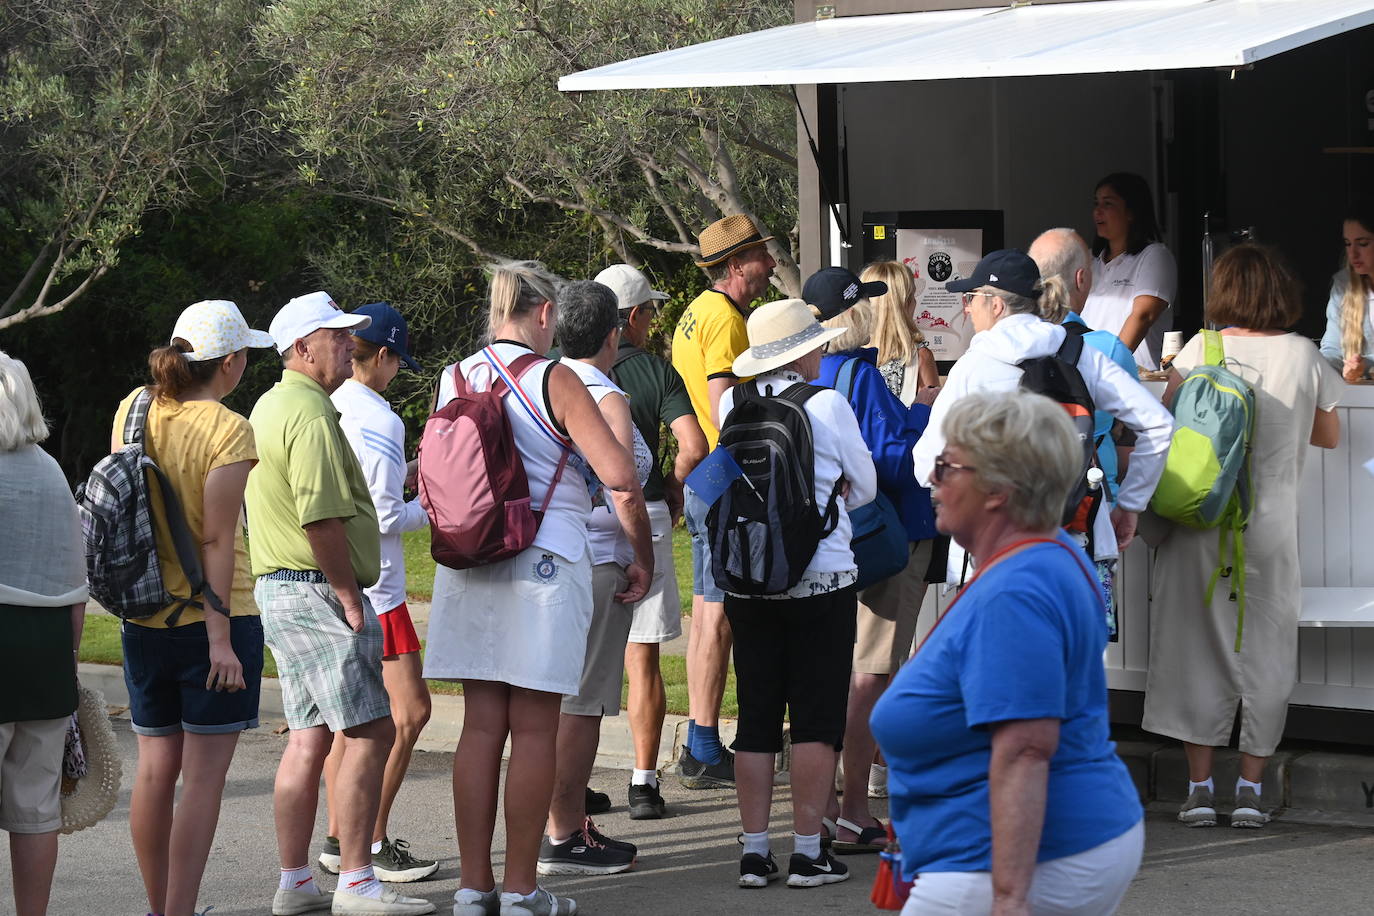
{"x": 844, "y": 380}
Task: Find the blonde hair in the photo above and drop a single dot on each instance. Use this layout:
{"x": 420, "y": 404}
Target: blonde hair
{"x": 21, "y": 416}
{"x": 1353, "y": 303}
{"x": 895, "y": 333}
{"x": 518, "y": 287}
{"x": 1022, "y": 444}
{"x": 857, "y": 322}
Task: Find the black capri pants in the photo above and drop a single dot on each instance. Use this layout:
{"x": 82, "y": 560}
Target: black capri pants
{"x": 793, "y": 656}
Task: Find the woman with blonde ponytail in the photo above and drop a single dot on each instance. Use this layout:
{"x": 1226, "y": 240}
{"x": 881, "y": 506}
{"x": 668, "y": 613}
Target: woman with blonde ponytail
{"x": 904, "y": 358}
{"x": 1348, "y": 343}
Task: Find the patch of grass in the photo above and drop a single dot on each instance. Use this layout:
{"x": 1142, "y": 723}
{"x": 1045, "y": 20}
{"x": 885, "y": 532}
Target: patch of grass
{"x": 675, "y": 686}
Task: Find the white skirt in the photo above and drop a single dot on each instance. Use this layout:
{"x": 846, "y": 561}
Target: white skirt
{"x": 522, "y": 622}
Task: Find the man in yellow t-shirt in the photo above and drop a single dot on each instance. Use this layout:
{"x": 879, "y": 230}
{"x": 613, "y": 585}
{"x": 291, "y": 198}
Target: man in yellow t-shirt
{"x": 315, "y": 545}
{"x": 710, "y": 334}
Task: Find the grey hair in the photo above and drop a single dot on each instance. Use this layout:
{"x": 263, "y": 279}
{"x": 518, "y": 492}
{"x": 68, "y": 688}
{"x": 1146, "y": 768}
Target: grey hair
{"x": 857, "y": 322}
{"x": 1066, "y": 255}
{"x": 21, "y": 416}
{"x": 1022, "y": 444}
{"x": 587, "y": 312}
{"x": 1015, "y": 302}
{"x": 718, "y": 271}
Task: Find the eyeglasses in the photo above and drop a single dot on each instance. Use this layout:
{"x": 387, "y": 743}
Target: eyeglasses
{"x": 937, "y": 474}
{"x": 968, "y": 298}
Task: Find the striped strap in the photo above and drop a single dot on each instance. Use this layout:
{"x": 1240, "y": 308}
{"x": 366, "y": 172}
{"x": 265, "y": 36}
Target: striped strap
{"x": 513, "y": 383}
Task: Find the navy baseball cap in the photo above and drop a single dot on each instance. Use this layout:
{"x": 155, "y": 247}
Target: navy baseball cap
{"x": 1007, "y": 269}
{"x": 834, "y": 290}
{"x": 388, "y": 329}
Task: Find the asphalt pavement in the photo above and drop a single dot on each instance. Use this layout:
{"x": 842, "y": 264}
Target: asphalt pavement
{"x": 687, "y": 862}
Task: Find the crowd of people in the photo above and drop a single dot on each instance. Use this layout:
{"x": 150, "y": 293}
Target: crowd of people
{"x": 991, "y": 740}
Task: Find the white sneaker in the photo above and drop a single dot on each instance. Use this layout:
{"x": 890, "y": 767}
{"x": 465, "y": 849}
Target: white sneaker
{"x": 293, "y": 903}
{"x": 389, "y": 904}
{"x": 877, "y": 781}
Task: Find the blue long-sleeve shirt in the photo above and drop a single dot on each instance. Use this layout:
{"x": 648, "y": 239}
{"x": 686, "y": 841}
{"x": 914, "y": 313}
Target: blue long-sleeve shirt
{"x": 890, "y": 429}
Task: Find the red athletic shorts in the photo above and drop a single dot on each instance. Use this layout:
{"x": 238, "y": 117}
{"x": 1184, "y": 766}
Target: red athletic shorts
{"x": 398, "y": 632}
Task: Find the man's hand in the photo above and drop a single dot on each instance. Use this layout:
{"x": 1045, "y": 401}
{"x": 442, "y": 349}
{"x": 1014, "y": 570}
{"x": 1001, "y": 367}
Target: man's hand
{"x": 412, "y": 473}
{"x": 638, "y": 581}
{"x": 226, "y": 671}
{"x": 673, "y": 497}
{"x": 1123, "y": 523}
{"x": 353, "y": 612}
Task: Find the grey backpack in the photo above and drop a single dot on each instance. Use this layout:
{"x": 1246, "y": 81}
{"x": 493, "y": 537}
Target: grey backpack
{"x": 117, "y": 524}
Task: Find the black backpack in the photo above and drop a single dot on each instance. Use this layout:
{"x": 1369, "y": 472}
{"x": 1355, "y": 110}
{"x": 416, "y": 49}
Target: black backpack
{"x": 766, "y": 526}
{"x": 1057, "y": 378}
{"x": 117, "y": 524}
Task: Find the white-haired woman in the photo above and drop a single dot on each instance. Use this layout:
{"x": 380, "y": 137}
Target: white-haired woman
{"x": 42, "y": 603}
{"x": 514, "y": 632}
{"x": 1006, "y": 791}
{"x": 1348, "y": 342}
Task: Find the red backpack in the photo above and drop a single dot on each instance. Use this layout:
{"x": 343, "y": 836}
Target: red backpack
{"x": 471, "y": 478}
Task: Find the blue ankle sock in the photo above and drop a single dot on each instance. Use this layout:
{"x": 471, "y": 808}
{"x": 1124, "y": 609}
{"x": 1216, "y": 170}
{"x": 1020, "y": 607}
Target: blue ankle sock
{"x": 705, "y": 744}
{"x": 691, "y": 734}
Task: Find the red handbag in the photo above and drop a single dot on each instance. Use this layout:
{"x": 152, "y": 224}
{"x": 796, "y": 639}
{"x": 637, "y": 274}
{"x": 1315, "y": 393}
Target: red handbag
{"x": 890, "y": 890}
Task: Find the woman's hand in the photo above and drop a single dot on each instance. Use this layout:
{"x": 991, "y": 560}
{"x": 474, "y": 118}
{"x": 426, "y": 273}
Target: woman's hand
{"x": 226, "y": 671}
{"x": 1353, "y": 368}
{"x": 928, "y": 395}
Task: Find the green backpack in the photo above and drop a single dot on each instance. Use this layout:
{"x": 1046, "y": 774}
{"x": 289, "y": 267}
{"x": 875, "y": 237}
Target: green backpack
{"x": 1206, "y": 479}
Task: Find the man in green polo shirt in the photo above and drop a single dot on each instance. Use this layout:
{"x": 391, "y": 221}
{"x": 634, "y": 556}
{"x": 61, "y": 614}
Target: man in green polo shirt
{"x": 314, "y": 545}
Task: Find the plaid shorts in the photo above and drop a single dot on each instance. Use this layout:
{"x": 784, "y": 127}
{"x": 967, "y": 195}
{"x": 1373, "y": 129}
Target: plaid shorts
{"x": 329, "y": 674}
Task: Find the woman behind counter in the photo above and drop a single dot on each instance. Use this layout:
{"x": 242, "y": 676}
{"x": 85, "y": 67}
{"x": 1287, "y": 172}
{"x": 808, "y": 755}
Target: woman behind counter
{"x": 1134, "y": 275}
{"x": 1006, "y": 792}
{"x": 1348, "y": 343}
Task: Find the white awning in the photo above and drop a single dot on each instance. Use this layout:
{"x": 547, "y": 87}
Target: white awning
{"x": 1103, "y": 36}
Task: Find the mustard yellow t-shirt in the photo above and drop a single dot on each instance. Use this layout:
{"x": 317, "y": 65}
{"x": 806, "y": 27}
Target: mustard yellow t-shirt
{"x": 188, "y": 440}
{"x": 307, "y": 473}
{"x": 710, "y": 334}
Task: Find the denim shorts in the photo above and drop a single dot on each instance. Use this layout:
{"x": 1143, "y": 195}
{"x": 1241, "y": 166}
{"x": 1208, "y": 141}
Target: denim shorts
{"x": 694, "y": 511}
{"x": 165, "y": 670}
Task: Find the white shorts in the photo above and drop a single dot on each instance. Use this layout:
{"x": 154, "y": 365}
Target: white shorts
{"x": 522, "y": 622}
{"x": 658, "y": 615}
{"x": 1089, "y": 883}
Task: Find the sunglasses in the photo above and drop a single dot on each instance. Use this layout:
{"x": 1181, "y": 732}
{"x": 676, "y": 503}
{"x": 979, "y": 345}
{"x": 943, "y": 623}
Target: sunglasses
{"x": 937, "y": 474}
{"x": 967, "y": 298}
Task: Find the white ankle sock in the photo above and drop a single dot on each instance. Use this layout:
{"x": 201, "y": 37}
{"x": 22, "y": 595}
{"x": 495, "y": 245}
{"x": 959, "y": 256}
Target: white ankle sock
{"x": 809, "y": 846}
{"x": 1243, "y": 782}
{"x": 644, "y": 778}
{"x": 360, "y": 882}
{"x": 376, "y": 847}
{"x": 1201, "y": 785}
{"x": 757, "y": 843}
{"x": 299, "y": 879}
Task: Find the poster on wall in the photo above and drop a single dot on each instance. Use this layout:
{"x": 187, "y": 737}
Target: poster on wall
{"x": 937, "y": 246}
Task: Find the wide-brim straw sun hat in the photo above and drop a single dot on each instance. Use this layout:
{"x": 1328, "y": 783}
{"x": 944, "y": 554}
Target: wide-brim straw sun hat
{"x": 780, "y": 332}
{"x": 727, "y": 237}
{"x": 93, "y": 796}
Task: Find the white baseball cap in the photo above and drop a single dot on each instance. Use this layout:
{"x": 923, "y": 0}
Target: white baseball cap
{"x": 304, "y": 315}
{"x": 629, "y": 286}
{"x": 215, "y": 328}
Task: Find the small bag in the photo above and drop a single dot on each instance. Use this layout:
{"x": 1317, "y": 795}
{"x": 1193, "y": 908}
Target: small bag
{"x": 890, "y": 889}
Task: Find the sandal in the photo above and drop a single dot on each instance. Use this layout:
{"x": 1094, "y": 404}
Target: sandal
{"x": 871, "y": 839}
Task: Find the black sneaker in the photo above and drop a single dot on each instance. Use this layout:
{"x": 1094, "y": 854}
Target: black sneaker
{"x": 646, "y": 803}
{"x": 806, "y": 872}
{"x": 586, "y": 852}
{"x": 697, "y": 775}
{"x": 597, "y": 802}
{"x": 756, "y": 871}
{"x": 395, "y": 863}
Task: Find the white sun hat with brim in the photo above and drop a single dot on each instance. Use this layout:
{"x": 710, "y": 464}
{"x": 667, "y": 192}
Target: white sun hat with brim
{"x": 215, "y": 328}
{"x": 780, "y": 332}
{"x": 304, "y": 315}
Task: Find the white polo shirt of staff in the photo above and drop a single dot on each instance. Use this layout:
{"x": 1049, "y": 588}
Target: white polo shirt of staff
{"x": 990, "y": 364}
{"x": 1117, "y": 283}
{"x": 378, "y": 438}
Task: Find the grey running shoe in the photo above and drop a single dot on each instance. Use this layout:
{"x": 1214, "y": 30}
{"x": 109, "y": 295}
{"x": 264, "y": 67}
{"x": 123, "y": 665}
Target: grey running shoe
{"x": 1247, "y": 812}
{"x": 394, "y": 863}
{"x": 293, "y": 903}
{"x": 543, "y": 904}
{"x": 329, "y": 855}
{"x": 389, "y": 904}
{"x": 695, "y": 774}
{"x": 1198, "y": 810}
{"x": 586, "y": 852}
{"x": 468, "y": 902}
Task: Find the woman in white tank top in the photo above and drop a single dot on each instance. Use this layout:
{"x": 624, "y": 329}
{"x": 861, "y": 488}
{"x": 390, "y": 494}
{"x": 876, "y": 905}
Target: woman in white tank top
{"x": 505, "y": 630}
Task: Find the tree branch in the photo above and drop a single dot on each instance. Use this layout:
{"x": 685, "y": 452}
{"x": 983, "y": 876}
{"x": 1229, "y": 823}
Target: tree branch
{"x": 400, "y": 208}
{"x": 620, "y": 222}
{"x": 37, "y": 311}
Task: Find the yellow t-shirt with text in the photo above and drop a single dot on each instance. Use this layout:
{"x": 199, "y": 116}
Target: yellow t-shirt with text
{"x": 710, "y": 334}
{"x": 188, "y": 440}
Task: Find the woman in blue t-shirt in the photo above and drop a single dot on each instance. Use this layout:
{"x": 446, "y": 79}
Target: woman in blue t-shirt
{"x": 996, "y": 733}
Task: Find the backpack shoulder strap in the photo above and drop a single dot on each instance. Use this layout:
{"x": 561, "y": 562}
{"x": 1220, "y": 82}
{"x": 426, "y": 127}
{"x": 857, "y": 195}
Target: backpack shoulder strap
{"x": 136, "y": 420}
{"x": 187, "y": 551}
{"x": 1071, "y": 350}
{"x": 799, "y": 393}
{"x": 509, "y": 377}
{"x": 1076, "y": 328}
{"x": 844, "y": 380}
{"x": 1214, "y": 351}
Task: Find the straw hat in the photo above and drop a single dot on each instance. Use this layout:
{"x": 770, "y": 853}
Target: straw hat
{"x": 727, "y": 237}
{"x": 779, "y": 332}
{"x": 86, "y": 800}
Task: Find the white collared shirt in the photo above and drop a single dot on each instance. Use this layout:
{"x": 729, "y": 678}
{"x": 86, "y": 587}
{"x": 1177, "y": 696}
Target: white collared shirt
{"x": 1117, "y": 283}
{"x": 378, "y": 439}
